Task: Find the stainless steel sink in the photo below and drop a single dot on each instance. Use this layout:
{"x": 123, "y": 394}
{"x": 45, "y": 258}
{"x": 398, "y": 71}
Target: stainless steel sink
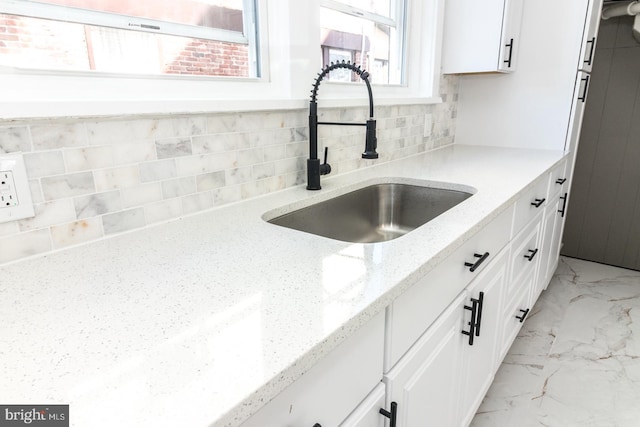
{"x": 375, "y": 213}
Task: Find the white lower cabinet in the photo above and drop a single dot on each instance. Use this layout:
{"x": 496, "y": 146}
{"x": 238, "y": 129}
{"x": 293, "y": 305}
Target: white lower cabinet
{"x": 425, "y": 382}
{"x": 480, "y": 355}
{"x": 367, "y": 414}
{"x": 441, "y": 380}
{"x": 330, "y": 391}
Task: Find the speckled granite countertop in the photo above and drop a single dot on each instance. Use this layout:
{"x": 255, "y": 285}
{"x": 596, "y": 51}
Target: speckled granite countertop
{"x": 201, "y": 321}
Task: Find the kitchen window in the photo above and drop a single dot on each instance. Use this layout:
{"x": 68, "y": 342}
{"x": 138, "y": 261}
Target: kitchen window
{"x": 187, "y": 37}
{"x": 372, "y": 32}
{"x": 125, "y": 65}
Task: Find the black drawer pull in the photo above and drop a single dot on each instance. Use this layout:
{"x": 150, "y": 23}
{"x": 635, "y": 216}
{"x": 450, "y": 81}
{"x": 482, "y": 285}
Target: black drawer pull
{"x": 392, "y": 415}
{"x": 532, "y": 253}
{"x": 538, "y": 202}
{"x": 317, "y": 425}
{"x": 564, "y": 205}
{"x": 561, "y": 181}
{"x": 524, "y": 314}
{"x": 481, "y": 259}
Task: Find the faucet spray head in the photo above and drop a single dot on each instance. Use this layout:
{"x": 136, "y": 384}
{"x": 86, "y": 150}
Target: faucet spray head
{"x": 371, "y": 141}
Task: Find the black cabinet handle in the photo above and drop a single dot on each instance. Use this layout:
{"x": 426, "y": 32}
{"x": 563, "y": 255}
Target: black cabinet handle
{"x": 538, "y": 202}
{"x": 583, "y": 97}
{"x": 317, "y": 425}
{"x": 471, "y": 333}
{"x": 508, "y": 60}
{"x": 531, "y": 254}
{"x": 593, "y": 45}
{"x": 564, "y": 205}
{"x": 561, "y": 181}
{"x": 480, "y": 301}
{"x": 481, "y": 259}
{"x": 392, "y": 415}
{"x": 524, "y": 314}
{"x": 476, "y": 317}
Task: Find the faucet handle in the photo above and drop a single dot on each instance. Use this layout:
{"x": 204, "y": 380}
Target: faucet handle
{"x": 325, "y": 168}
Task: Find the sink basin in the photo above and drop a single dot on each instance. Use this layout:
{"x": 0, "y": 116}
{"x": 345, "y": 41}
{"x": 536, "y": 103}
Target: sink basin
{"x": 375, "y": 213}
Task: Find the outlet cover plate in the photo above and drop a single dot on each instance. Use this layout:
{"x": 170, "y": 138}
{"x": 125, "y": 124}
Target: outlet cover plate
{"x": 14, "y": 189}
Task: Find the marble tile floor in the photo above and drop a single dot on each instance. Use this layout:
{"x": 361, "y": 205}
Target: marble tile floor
{"x": 576, "y": 361}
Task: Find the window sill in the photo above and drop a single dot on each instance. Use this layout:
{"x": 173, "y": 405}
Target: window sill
{"x": 34, "y": 110}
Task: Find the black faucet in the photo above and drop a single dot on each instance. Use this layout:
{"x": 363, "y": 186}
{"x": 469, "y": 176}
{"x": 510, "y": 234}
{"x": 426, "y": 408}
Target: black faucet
{"x": 314, "y": 168}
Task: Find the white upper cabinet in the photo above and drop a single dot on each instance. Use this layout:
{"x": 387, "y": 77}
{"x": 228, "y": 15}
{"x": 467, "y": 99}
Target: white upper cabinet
{"x": 589, "y": 38}
{"x": 481, "y": 36}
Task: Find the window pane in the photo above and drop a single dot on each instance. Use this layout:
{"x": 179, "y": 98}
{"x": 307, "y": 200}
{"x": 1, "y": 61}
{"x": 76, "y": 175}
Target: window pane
{"x": 45, "y": 44}
{"x": 373, "y": 46}
{"x": 379, "y": 7}
{"x": 221, "y": 14}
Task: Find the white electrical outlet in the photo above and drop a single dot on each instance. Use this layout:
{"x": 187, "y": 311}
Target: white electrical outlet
{"x": 15, "y": 196}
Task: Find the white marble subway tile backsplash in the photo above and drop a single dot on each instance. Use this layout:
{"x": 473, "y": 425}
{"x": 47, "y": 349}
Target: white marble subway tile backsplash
{"x": 91, "y": 178}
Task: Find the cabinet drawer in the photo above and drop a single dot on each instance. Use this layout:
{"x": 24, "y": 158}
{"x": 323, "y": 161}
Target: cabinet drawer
{"x": 334, "y": 387}
{"x": 513, "y": 310}
{"x": 367, "y": 414}
{"x": 559, "y": 180}
{"x": 412, "y": 312}
{"x": 525, "y": 252}
{"x": 532, "y": 202}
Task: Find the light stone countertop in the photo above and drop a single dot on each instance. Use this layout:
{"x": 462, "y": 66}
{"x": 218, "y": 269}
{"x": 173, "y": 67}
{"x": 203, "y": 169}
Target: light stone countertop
{"x": 201, "y": 321}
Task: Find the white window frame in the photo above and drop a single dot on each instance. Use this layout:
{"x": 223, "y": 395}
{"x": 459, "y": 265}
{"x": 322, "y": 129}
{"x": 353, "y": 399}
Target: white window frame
{"x": 398, "y": 21}
{"x": 289, "y": 59}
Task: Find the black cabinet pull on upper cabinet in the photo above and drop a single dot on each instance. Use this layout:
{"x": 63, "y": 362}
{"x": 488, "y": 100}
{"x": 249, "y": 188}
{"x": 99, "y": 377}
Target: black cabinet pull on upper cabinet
{"x": 508, "y": 60}
{"x": 561, "y": 181}
{"x": 589, "y": 60}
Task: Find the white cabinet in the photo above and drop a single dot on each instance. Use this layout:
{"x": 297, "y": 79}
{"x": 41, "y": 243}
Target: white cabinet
{"x": 581, "y": 89}
{"x": 553, "y": 224}
{"x": 590, "y": 35}
{"x": 334, "y": 387}
{"x": 443, "y": 377}
{"x": 426, "y": 382}
{"x": 530, "y": 108}
{"x": 480, "y": 356}
{"x": 409, "y": 316}
{"x": 367, "y": 414}
{"x": 481, "y": 35}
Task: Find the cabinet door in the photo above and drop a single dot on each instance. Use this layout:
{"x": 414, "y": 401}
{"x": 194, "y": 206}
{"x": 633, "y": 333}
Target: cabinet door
{"x": 556, "y": 241}
{"x": 425, "y": 382}
{"x": 589, "y": 39}
{"x": 510, "y": 35}
{"x": 331, "y": 390}
{"x": 476, "y": 34}
{"x": 577, "y": 111}
{"x": 481, "y": 359}
{"x": 368, "y": 412}
{"x": 547, "y": 262}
